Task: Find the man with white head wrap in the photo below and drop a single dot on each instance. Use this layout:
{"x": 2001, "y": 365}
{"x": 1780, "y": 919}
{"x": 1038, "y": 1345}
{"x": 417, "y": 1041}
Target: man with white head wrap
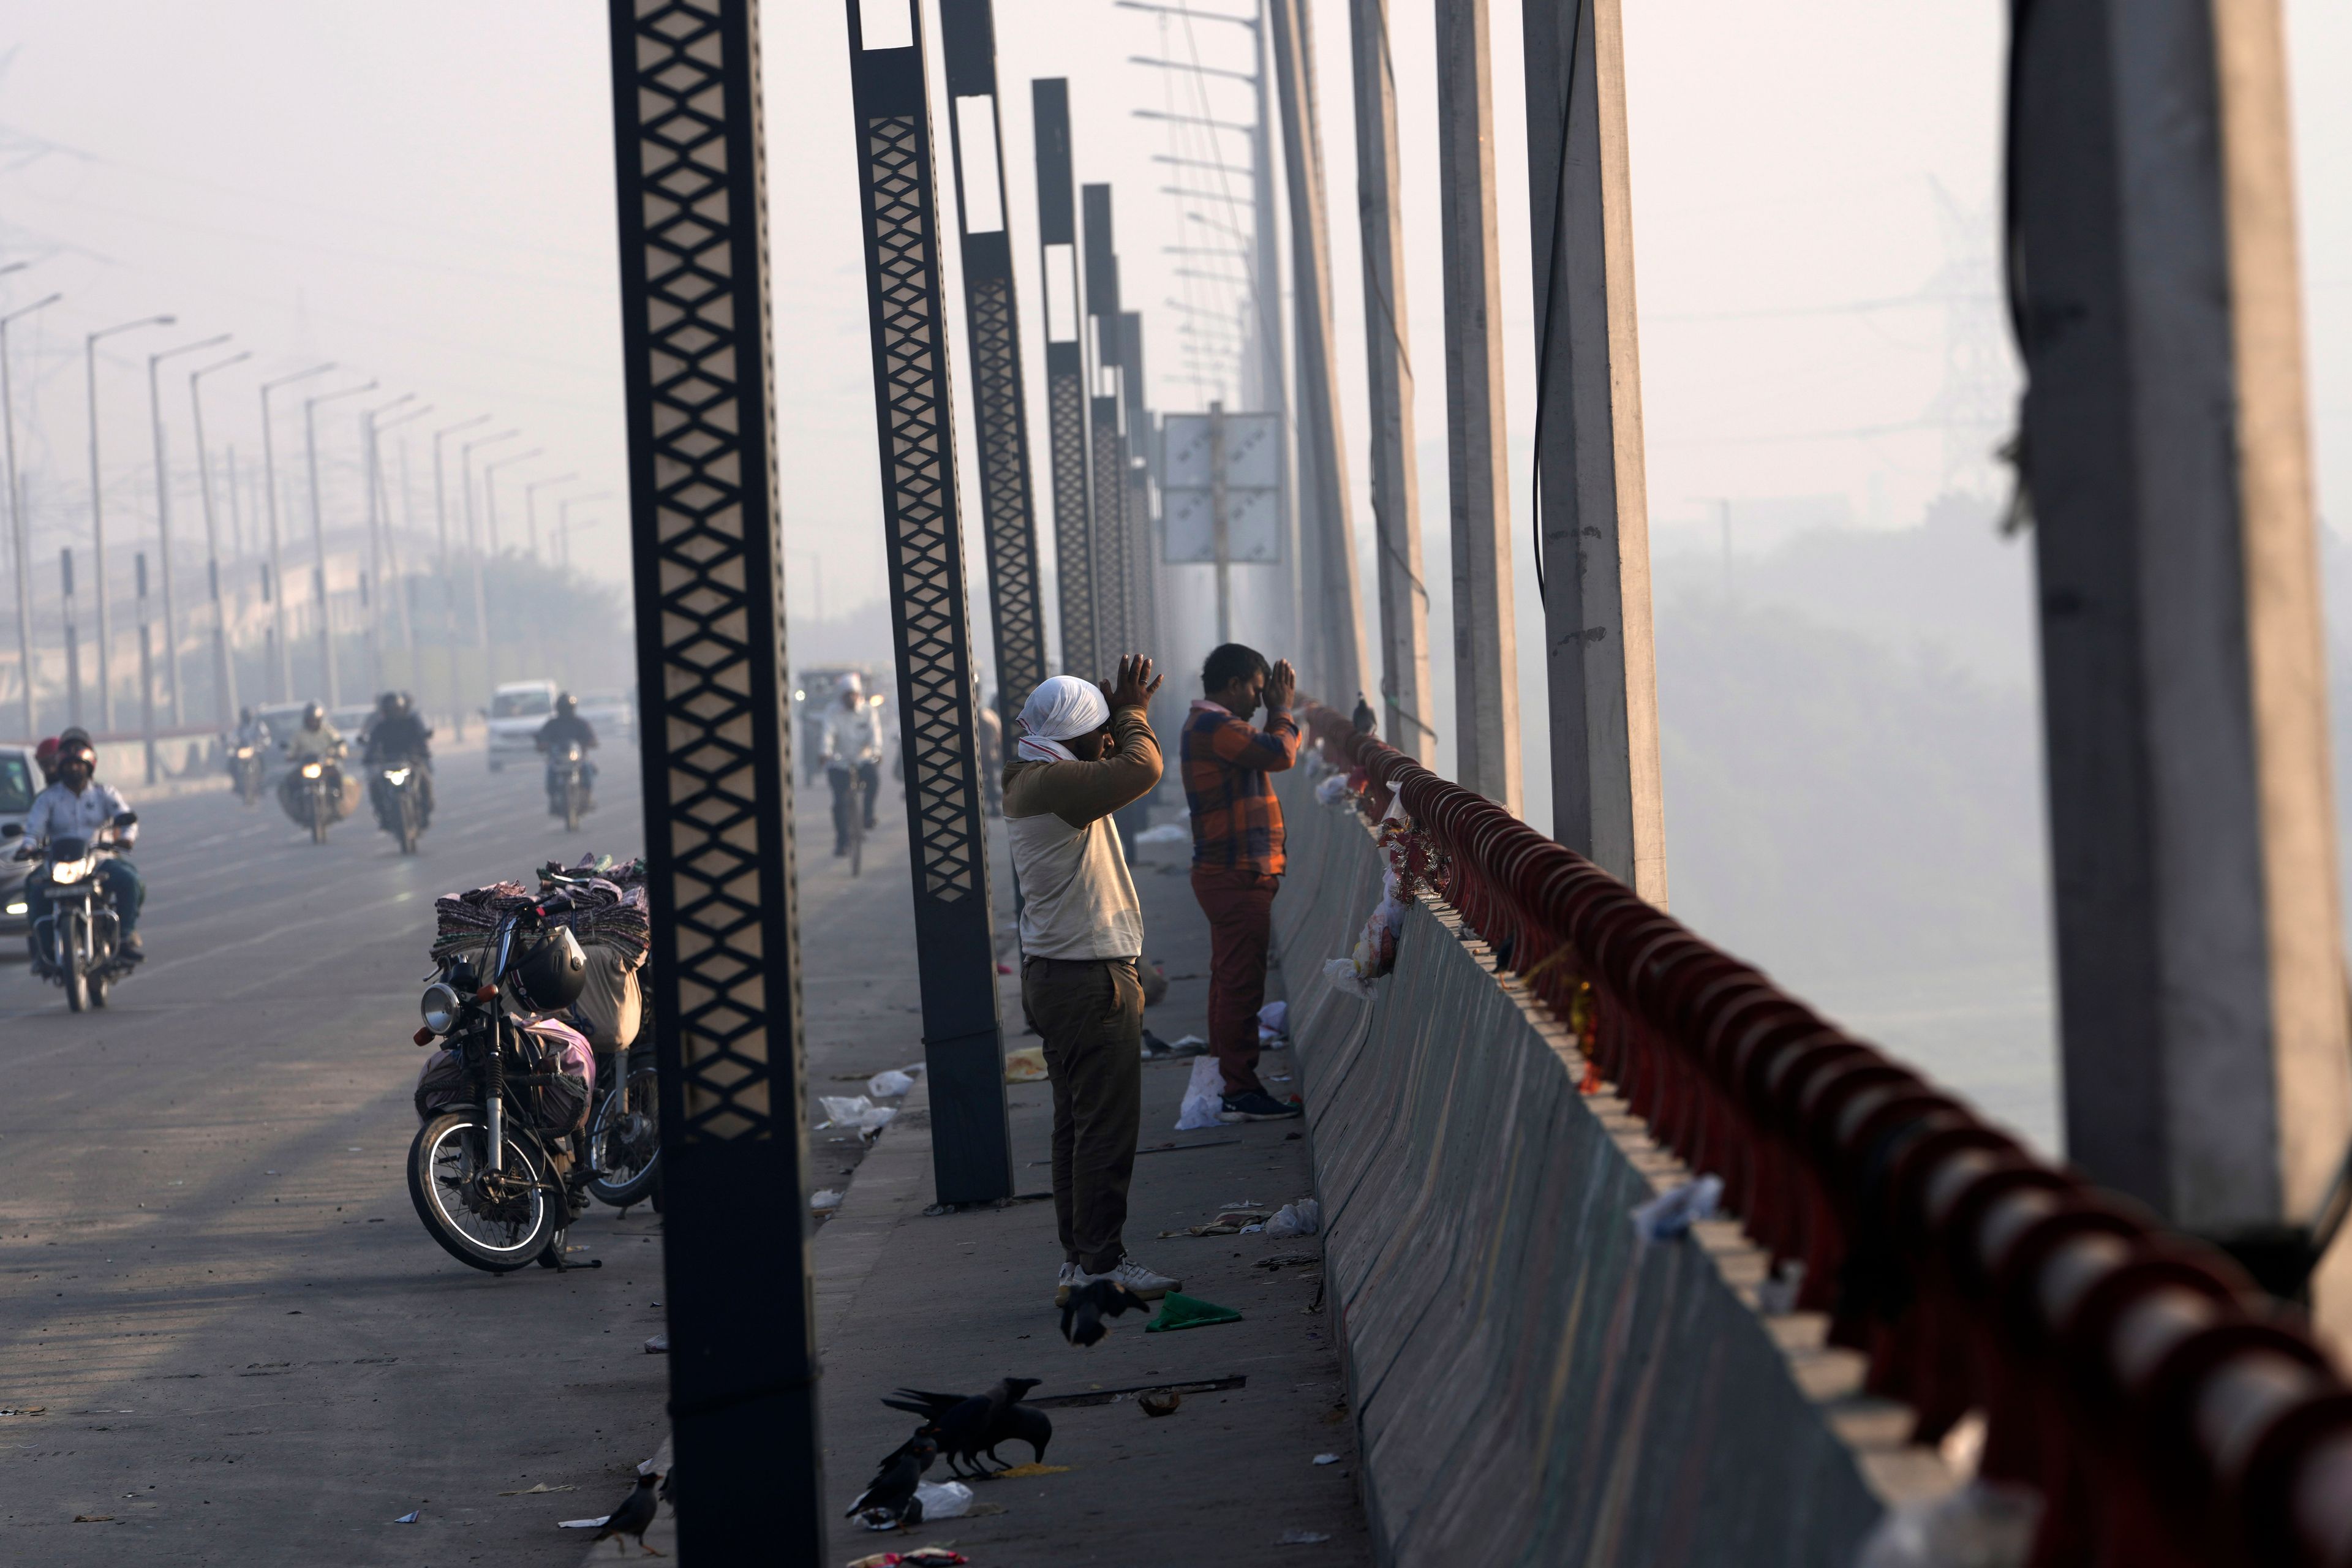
{"x": 1085, "y": 751}
{"x": 853, "y": 747}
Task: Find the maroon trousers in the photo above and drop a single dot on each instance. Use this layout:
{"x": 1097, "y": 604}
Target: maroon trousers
{"x": 1240, "y": 907}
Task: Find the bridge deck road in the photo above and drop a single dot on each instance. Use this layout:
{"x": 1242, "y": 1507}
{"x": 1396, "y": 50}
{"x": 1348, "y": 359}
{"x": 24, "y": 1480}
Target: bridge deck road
{"x": 244, "y": 1346}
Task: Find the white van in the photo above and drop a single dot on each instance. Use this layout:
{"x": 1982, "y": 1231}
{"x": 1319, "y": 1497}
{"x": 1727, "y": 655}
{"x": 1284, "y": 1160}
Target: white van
{"x": 517, "y": 711}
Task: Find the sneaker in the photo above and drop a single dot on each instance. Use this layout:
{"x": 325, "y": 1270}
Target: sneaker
{"x": 133, "y": 949}
{"x": 1143, "y": 1283}
{"x": 1257, "y": 1106}
{"x": 1072, "y": 1277}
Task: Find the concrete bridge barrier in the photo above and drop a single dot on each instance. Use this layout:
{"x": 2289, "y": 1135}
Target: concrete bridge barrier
{"x": 1532, "y": 1383}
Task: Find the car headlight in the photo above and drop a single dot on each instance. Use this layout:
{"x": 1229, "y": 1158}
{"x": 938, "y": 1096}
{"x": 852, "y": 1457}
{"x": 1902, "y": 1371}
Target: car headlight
{"x": 311, "y": 769}
{"x": 17, "y": 908}
{"x": 439, "y": 1007}
{"x": 396, "y": 776}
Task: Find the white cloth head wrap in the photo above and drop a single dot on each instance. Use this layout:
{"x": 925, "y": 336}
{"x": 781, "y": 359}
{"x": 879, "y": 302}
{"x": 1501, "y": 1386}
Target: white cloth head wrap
{"x": 1061, "y": 709}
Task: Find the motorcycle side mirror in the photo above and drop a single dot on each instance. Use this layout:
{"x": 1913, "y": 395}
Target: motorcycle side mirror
{"x": 126, "y": 820}
{"x": 11, "y": 830}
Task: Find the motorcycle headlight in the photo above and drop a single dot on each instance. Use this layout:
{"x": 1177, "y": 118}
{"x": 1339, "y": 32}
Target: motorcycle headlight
{"x": 66, "y": 873}
{"x": 311, "y": 770}
{"x": 440, "y": 1007}
{"x": 396, "y": 776}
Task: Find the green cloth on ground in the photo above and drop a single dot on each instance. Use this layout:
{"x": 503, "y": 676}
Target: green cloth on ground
{"x": 1178, "y": 1311}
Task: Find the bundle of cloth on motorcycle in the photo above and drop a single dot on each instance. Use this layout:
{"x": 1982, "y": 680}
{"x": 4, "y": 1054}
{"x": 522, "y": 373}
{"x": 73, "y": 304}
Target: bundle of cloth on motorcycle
{"x": 551, "y": 1078}
{"x": 608, "y": 917}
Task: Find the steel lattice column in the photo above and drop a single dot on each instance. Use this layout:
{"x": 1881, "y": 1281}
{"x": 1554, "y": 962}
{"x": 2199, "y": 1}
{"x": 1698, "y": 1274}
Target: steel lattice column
{"x": 1000, "y": 410}
{"x": 1066, "y": 375}
{"x": 717, "y": 765}
{"x": 1114, "y": 572}
{"x": 964, "y": 1043}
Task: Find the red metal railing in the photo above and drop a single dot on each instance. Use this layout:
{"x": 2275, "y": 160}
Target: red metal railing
{"x": 2166, "y": 1410}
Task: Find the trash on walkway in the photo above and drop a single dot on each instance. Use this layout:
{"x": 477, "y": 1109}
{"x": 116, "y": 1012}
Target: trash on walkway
{"x": 1024, "y": 1472}
{"x": 1274, "y": 1022}
{"x": 1204, "y": 1095}
{"x": 824, "y": 1201}
{"x": 1326, "y": 1458}
{"x": 1166, "y": 833}
{"x": 1026, "y": 1065}
{"x": 1083, "y": 1314}
{"x": 1287, "y": 1260}
{"x": 1156, "y": 1049}
{"x": 537, "y": 1488}
{"x": 888, "y": 1084}
{"x": 23, "y": 1410}
{"x": 1232, "y": 1222}
{"x": 1672, "y": 1213}
{"x": 1159, "y": 1402}
{"x": 1304, "y": 1537}
{"x": 920, "y": 1557}
{"x": 408, "y": 1517}
{"x": 658, "y": 1344}
{"x": 595, "y": 1523}
{"x": 1304, "y": 1217}
{"x": 942, "y": 1499}
{"x": 853, "y": 1111}
{"x": 1178, "y": 1311}
{"x": 109, "y": 1518}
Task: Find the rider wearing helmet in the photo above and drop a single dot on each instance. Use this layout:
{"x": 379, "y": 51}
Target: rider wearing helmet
{"x": 566, "y": 728}
{"x": 398, "y": 734}
{"x": 851, "y": 747}
{"x": 77, "y": 806}
{"x": 315, "y": 741}
{"x": 250, "y": 731}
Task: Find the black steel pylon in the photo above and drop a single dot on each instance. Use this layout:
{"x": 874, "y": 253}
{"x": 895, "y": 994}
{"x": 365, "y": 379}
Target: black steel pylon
{"x": 718, "y": 781}
{"x": 1065, "y": 378}
{"x": 964, "y": 1044}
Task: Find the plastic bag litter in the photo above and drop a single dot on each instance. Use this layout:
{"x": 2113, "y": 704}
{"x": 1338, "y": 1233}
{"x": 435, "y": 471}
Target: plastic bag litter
{"x": 1672, "y": 1213}
{"x": 1304, "y": 1217}
{"x": 1204, "y": 1096}
{"x": 827, "y": 1199}
{"x": 595, "y": 1523}
{"x": 1166, "y": 833}
{"x": 943, "y": 1499}
{"x": 1274, "y": 1020}
{"x": 1983, "y": 1525}
{"x": 890, "y": 1084}
{"x": 853, "y": 1111}
{"x": 1026, "y": 1065}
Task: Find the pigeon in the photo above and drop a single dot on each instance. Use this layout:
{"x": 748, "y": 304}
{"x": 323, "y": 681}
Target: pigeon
{"x": 893, "y": 1486}
{"x": 1083, "y": 1314}
{"x": 635, "y": 1515}
{"x": 965, "y": 1424}
{"x": 1022, "y": 1424}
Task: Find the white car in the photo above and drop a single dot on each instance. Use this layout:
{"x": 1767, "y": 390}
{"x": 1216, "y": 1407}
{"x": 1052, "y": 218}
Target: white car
{"x": 19, "y": 782}
{"x": 517, "y": 711}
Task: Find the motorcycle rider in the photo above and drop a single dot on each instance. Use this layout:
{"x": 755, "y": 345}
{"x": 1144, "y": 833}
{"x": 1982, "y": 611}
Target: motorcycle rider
{"x": 77, "y": 806}
{"x": 249, "y": 731}
{"x": 853, "y": 744}
{"x": 316, "y": 742}
{"x": 396, "y": 735}
{"x": 566, "y": 728}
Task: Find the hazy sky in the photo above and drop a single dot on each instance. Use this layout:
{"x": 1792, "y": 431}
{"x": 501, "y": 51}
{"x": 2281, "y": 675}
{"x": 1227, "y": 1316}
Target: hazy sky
{"x": 423, "y": 194}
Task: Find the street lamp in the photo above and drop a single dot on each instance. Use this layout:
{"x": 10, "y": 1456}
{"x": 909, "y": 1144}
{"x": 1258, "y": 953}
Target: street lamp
{"x": 284, "y": 659}
{"x": 473, "y": 542}
{"x": 163, "y": 516}
{"x": 564, "y": 523}
{"x": 223, "y": 671}
{"x": 371, "y": 595}
{"x": 98, "y": 507}
{"x": 491, "y": 520}
{"x": 531, "y": 504}
{"x": 391, "y": 567}
{"x": 449, "y": 593}
{"x": 319, "y": 532}
{"x": 16, "y": 514}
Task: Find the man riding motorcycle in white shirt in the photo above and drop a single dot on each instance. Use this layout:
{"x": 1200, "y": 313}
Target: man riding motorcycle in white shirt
{"x": 77, "y": 806}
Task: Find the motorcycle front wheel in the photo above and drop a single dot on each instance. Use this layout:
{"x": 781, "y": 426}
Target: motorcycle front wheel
{"x": 70, "y": 962}
{"x": 407, "y": 824}
{"x": 318, "y": 816}
{"x": 493, "y": 1221}
{"x": 625, "y": 1134}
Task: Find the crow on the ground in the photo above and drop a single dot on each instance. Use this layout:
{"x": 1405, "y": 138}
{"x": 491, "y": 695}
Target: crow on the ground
{"x": 966, "y": 1423}
{"x": 892, "y": 1490}
{"x": 1022, "y": 1424}
{"x": 633, "y": 1516}
{"x": 1083, "y": 1314}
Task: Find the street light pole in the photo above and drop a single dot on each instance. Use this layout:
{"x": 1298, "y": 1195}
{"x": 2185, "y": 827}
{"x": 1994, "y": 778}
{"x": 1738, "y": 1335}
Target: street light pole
{"x": 163, "y": 516}
{"x": 97, "y": 511}
{"x": 380, "y": 507}
{"x": 318, "y": 533}
{"x": 490, "y": 522}
{"x": 449, "y": 593}
{"x": 224, "y": 672}
{"x": 22, "y": 533}
{"x": 564, "y": 523}
{"x": 371, "y": 589}
{"x": 473, "y": 542}
{"x": 283, "y": 655}
{"x": 530, "y": 505}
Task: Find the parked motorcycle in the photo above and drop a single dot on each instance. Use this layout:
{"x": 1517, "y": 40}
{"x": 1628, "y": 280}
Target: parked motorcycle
{"x": 244, "y": 768}
{"x": 567, "y": 784}
{"x": 81, "y": 949}
{"x": 624, "y": 1133}
{"x": 398, "y": 805}
{"x": 495, "y": 1173}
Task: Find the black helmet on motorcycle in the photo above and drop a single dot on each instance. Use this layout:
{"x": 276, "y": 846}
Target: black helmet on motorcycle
{"x": 245, "y": 715}
{"x": 551, "y": 977}
{"x": 313, "y": 716}
{"x": 77, "y": 762}
{"x": 388, "y": 704}
{"x": 567, "y": 705}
